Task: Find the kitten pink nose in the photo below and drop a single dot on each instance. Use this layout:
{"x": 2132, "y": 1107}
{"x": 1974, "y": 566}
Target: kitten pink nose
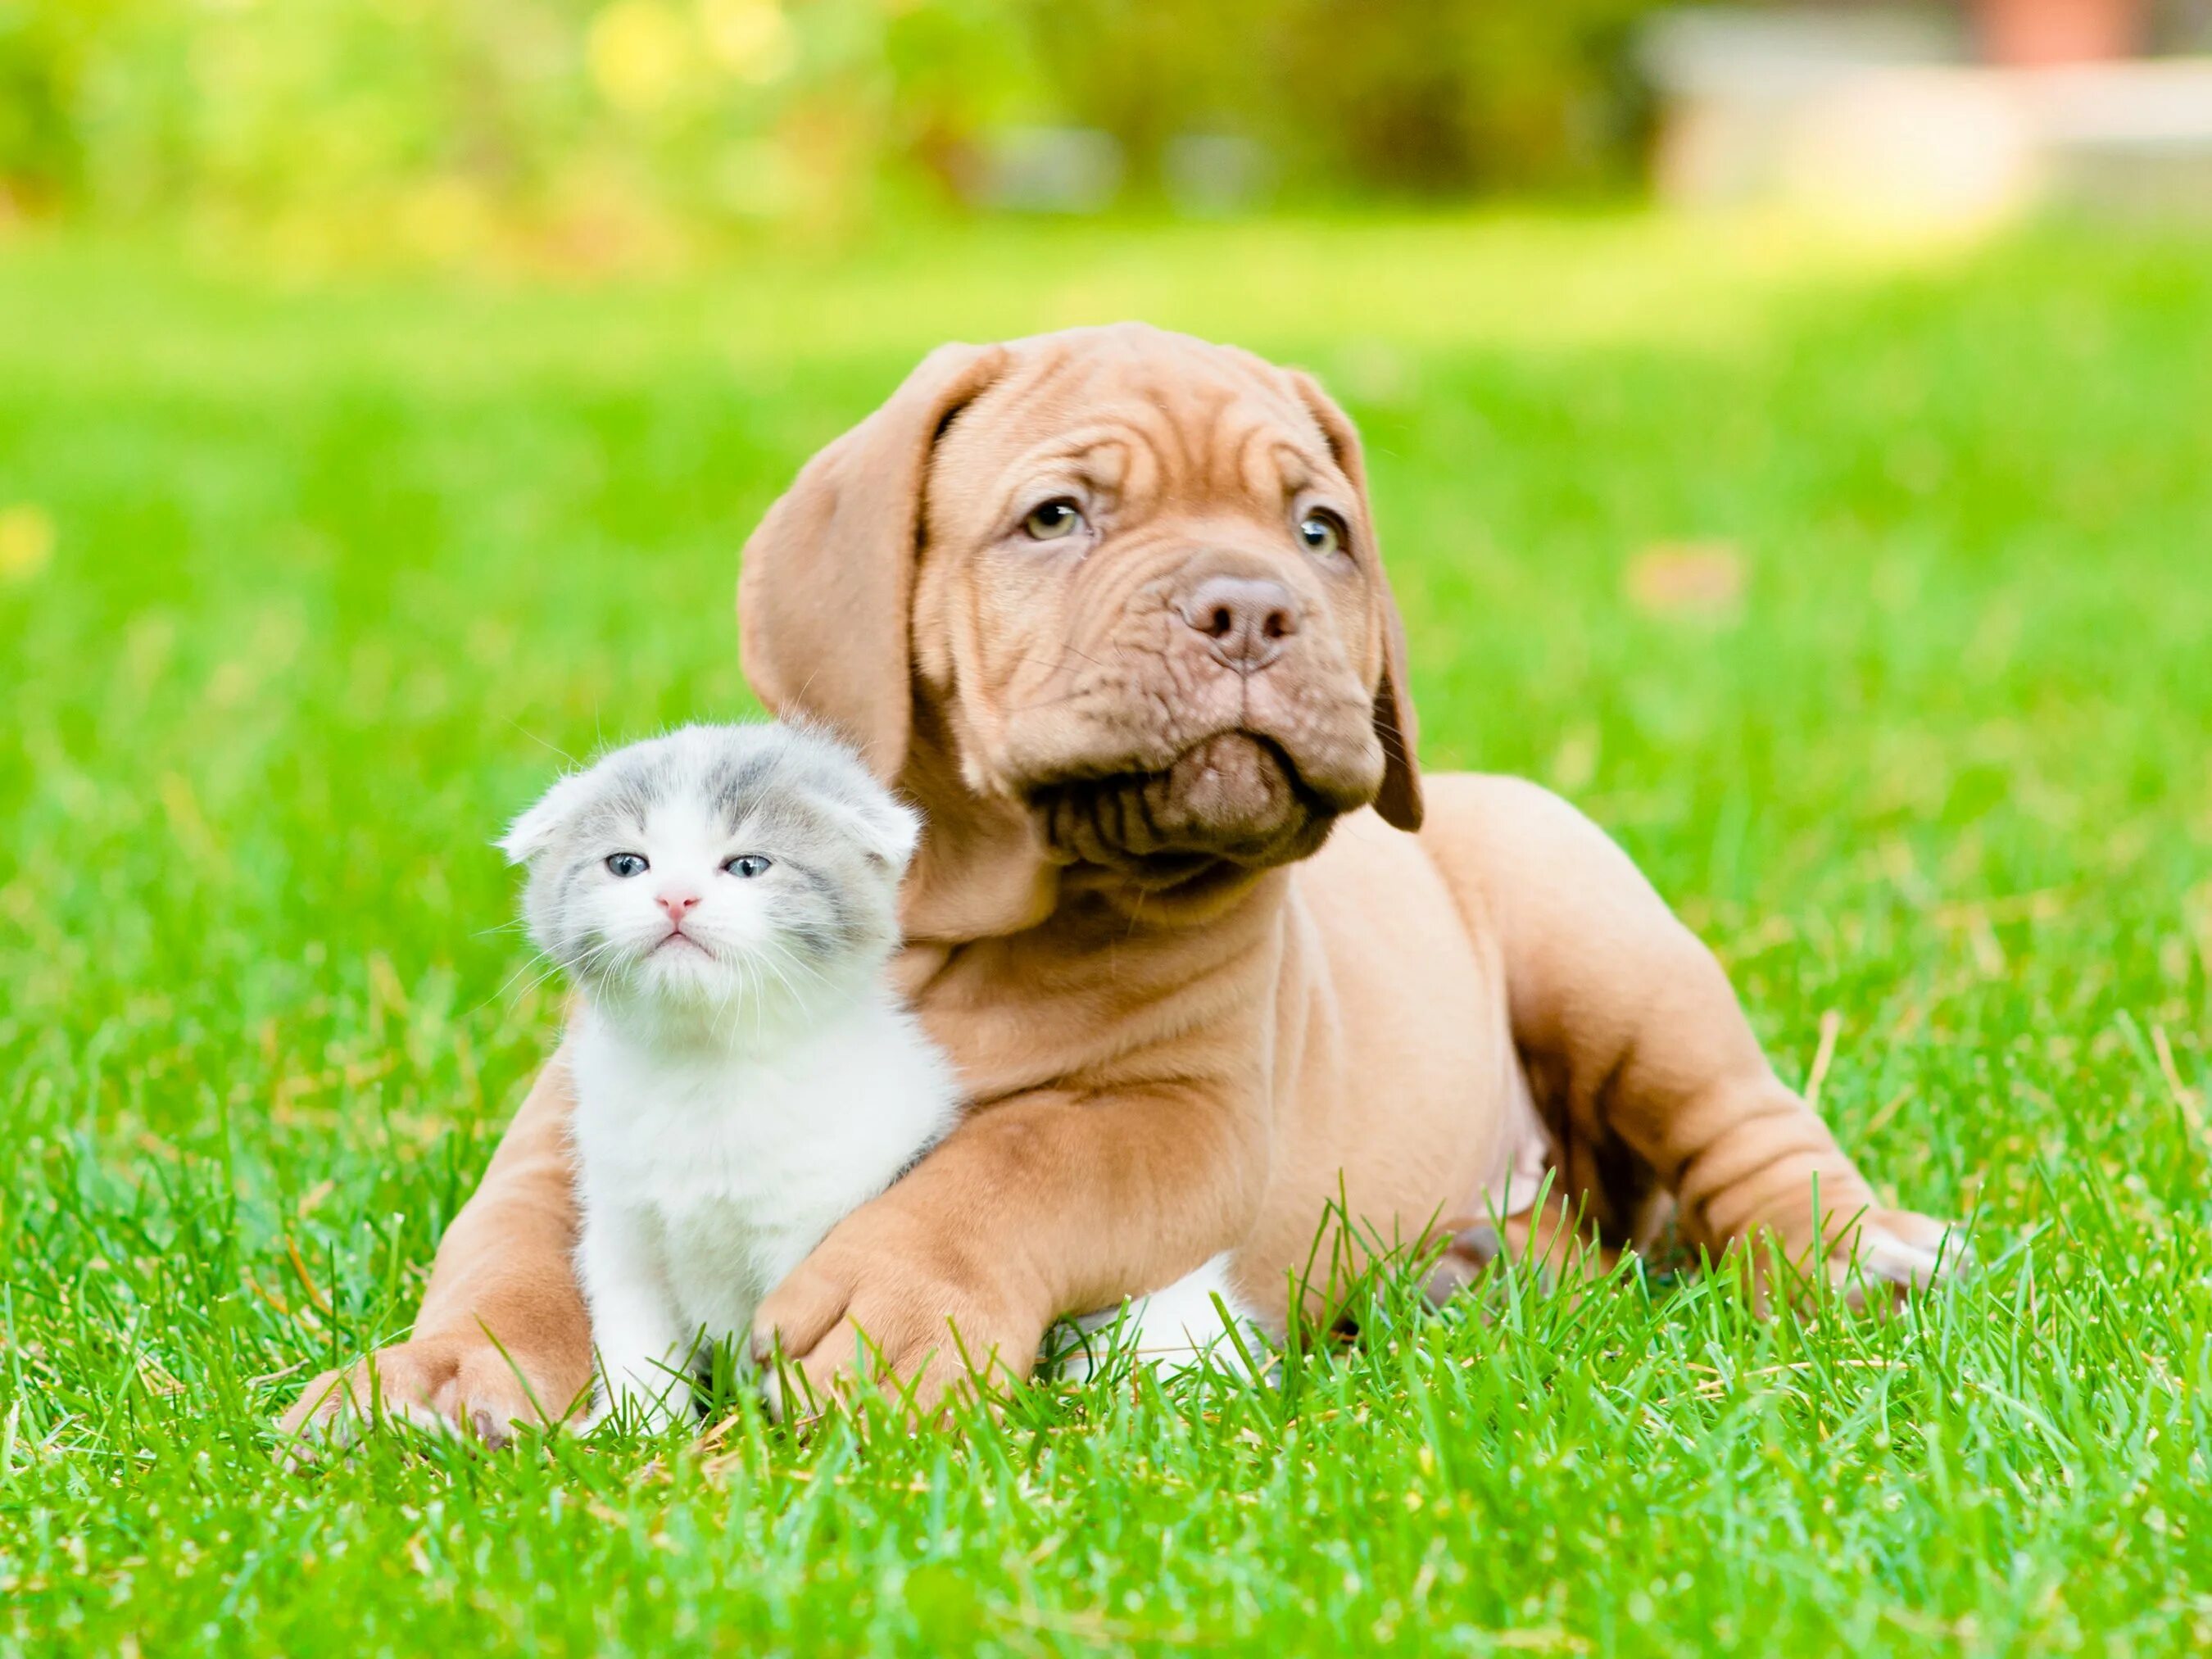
{"x": 677, "y": 903}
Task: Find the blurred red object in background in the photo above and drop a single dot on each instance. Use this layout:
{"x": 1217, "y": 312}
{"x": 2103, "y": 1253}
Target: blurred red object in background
{"x": 2037, "y": 34}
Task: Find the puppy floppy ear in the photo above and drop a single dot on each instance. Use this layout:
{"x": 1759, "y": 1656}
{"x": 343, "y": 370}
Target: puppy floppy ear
{"x": 1395, "y": 727}
{"x": 827, "y": 579}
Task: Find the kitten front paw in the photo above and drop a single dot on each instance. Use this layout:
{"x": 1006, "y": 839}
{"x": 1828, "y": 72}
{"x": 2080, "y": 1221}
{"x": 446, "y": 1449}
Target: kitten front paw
{"x": 636, "y": 1407}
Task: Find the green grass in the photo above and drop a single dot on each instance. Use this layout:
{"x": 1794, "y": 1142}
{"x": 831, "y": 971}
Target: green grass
{"x": 331, "y": 571}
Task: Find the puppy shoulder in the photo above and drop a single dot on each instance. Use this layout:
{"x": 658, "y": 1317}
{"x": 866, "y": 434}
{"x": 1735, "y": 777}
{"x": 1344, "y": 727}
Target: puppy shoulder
{"x": 1506, "y": 833}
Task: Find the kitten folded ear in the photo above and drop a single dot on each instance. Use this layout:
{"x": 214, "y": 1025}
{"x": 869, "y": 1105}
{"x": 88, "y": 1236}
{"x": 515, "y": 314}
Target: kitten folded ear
{"x": 538, "y": 828}
{"x": 890, "y": 831}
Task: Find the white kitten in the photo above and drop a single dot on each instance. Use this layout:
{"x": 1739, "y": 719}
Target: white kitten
{"x": 725, "y": 900}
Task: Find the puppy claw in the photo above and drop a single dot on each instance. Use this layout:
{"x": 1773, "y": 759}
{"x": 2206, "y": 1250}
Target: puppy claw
{"x": 1472, "y": 1249}
{"x": 1911, "y": 1254}
{"x": 1481, "y": 1242}
{"x": 489, "y": 1430}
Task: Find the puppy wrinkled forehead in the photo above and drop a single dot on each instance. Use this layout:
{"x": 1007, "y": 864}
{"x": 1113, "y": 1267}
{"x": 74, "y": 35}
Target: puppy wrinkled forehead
{"x": 1180, "y": 394}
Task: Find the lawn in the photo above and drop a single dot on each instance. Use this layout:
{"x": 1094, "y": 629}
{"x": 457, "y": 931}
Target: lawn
{"x": 304, "y": 587}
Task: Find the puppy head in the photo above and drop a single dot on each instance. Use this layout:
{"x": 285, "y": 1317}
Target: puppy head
{"x": 1125, "y": 580}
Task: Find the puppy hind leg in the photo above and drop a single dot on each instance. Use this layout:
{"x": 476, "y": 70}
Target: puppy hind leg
{"x": 1758, "y": 1168}
{"x": 1650, "y": 1071}
{"x": 1554, "y": 1236}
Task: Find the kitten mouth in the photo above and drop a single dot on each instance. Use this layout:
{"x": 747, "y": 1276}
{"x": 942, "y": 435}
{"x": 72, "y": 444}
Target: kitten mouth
{"x": 676, "y": 936}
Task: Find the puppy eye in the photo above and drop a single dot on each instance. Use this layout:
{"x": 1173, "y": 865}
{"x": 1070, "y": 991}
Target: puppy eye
{"x": 1322, "y": 532}
{"x": 1055, "y": 520}
{"x": 626, "y": 864}
{"x": 748, "y": 865}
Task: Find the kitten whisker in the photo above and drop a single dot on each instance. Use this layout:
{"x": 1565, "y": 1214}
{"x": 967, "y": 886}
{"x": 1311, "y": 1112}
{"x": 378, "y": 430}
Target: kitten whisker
{"x": 536, "y": 958}
{"x": 774, "y": 959}
{"x": 767, "y": 964}
{"x": 542, "y": 742}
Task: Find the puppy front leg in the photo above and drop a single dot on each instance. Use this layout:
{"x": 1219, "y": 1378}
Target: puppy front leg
{"x": 502, "y": 1337}
{"x": 1050, "y": 1201}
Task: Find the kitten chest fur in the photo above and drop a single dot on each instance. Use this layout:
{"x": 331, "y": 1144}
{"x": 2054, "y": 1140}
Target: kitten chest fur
{"x": 725, "y": 1161}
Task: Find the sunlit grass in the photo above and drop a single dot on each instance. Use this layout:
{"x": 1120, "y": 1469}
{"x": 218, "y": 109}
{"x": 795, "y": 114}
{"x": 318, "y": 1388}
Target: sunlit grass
{"x": 301, "y": 590}
{"x": 1348, "y": 293}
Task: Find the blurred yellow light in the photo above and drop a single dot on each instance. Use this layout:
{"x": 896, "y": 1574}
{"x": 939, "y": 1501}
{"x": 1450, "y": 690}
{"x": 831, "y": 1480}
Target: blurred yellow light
{"x": 751, "y": 38}
{"x": 638, "y": 52}
{"x": 26, "y": 542}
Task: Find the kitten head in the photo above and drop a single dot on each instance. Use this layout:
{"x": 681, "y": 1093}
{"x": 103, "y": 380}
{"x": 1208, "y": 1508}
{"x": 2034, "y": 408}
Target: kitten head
{"x": 716, "y": 866}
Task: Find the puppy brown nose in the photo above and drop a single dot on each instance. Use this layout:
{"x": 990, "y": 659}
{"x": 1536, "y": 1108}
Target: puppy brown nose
{"x": 1248, "y": 621}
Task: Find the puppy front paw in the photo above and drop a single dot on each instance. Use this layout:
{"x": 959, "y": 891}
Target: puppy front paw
{"x": 876, "y": 1305}
{"x": 464, "y": 1386}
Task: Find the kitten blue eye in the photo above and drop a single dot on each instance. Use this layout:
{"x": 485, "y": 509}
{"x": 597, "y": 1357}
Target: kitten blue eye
{"x": 747, "y": 865}
{"x": 626, "y": 864}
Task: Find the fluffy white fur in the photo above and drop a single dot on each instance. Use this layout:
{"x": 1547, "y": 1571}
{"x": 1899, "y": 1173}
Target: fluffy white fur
{"x": 709, "y": 1167}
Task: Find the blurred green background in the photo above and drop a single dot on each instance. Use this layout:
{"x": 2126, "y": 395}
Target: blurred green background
{"x": 614, "y": 132}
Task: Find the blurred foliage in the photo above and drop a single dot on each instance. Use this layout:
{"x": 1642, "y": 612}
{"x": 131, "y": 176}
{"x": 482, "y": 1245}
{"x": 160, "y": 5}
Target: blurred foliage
{"x": 1404, "y": 95}
{"x": 590, "y": 130}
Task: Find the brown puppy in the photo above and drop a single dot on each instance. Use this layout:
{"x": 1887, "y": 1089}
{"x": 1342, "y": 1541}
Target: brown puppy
{"x": 1108, "y": 606}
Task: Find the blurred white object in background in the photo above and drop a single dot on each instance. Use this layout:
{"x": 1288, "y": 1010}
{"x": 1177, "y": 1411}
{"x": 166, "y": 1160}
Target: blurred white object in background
{"x": 1214, "y": 174}
{"x": 1734, "y": 87}
{"x": 2134, "y": 136}
{"x": 1877, "y": 117}
{"x": 1912, "y": 146}
{"x": 1047, "y": 170}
